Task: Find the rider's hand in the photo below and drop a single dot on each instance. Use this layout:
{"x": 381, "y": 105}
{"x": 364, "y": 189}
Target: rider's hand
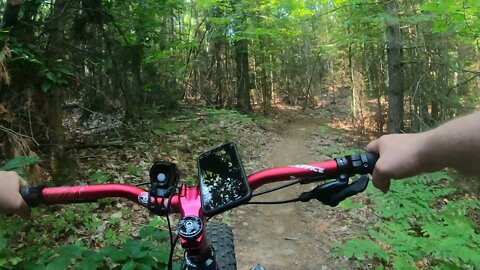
{"x": 401, "y": 155}
{"x": 11, "y": 202}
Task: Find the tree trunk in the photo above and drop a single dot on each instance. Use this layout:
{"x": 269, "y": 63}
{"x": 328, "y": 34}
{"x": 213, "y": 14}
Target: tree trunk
{"x": 243, "y": 77}
{"x": 241, "y": 60}
{"x": 395, "y": 71}
{"x": 10, "y": 14}
{"x": 218, "y": 40}
{"x": 61, "y": 163}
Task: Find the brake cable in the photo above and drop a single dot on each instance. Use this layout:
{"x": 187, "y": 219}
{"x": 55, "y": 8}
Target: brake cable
{"x": 297, "y": 181}
{"x": 172, "y": 242}
{"x": 277, "y": 202}
{"x": 331, "y": 193}
{"x": 143, "y": 184}
{"x": 160, "y": 209}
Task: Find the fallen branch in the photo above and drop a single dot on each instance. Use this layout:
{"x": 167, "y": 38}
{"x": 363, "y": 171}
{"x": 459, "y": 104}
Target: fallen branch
{"x": 15, "y": 135}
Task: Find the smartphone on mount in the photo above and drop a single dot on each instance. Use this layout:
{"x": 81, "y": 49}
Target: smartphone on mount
{"x": 223, "y": 183}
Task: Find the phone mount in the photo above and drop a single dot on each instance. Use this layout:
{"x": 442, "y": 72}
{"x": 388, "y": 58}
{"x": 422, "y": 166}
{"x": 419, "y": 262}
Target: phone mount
{"x": 332, "y": 193}
{"x": 163, "y": 176}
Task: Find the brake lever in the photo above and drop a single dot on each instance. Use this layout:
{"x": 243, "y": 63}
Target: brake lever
{"x": 334, "y": 192}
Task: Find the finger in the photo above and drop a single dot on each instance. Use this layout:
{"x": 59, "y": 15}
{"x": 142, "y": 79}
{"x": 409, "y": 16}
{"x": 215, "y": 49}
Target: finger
{"x": 23, "y": 183}
{"x": 372, "y": 146}
{"x": 380, "y": 182}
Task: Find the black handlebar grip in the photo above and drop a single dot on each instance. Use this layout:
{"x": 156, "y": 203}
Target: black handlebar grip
{"x": 369, "y": 160}
{"x": 358, "y": 163}
{"x": 32, "y": 195}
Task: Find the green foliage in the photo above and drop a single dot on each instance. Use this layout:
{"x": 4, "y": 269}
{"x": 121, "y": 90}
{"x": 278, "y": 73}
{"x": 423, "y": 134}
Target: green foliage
{"x": 454, "y": 16}
{"x": 165, "y": 127}
{"x": 331, "y": 151}
{"x": 17, "y": 163}
{"x": 217, "y": 126}
{"x": 325, "y": 129}
{"x": 362, "y": 248}
{"x": 348, "y": 204}
{"x": 134, "y": 170}
{"x": 8, "y": 258}
{"x": 54, "y": 73}
{"x": 149, "y": 250}
{"x": 99, "y": 177}
{"x": 230, "y": 115}
{"x": 419, "y": 223}
{"x": 351, "y": 151}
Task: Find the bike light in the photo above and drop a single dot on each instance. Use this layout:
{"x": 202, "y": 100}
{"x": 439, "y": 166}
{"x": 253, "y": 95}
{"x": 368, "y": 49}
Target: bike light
{"x": 163, "y": 175}
{"x": 161, "y": 178}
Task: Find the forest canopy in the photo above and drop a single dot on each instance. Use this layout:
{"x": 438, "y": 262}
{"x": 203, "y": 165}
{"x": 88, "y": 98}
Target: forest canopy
{"x": 405, "y": 64}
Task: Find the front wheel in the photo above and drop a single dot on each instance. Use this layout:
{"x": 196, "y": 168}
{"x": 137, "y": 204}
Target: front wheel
{"x": 220, "y": 237}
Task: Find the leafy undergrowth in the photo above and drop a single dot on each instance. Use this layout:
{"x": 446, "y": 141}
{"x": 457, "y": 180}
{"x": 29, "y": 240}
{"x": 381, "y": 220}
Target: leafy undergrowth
{"x": 112, "y": 234}
{"x": 149, "y": 251}
{"x": 420, "y": 228}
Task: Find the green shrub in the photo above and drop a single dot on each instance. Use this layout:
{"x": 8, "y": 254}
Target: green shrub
{"x": 419, "y": 224}
{"x": 17, "y": 163}
{"x": 35, "y": 244}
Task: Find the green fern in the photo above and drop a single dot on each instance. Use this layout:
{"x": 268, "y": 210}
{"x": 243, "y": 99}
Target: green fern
{"x": 418, "y": 224}
{"x": 361, "y": 249}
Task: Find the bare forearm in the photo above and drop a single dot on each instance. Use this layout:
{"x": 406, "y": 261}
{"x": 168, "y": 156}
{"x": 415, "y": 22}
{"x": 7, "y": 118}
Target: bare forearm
{"x": 455, "y": 144}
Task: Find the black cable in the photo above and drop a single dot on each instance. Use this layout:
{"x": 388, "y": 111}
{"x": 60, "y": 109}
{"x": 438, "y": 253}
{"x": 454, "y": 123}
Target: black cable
{"x": 160, "y": 209}
{"x": 277, "y": 188}
{"x": 170, "y": 196}
{"x": 172, "y": 242}
{"x": 142, "y": 184}
{"x": 277, "y": 202}
{"x": 170, "y": 256}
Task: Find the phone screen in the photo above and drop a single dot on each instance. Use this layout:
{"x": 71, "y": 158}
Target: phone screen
{"x": 223, "y": 183}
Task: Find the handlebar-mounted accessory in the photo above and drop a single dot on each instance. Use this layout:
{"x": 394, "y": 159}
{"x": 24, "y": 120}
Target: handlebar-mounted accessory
{"x": 164, "y": 177}
{"x": 332, "y": 193}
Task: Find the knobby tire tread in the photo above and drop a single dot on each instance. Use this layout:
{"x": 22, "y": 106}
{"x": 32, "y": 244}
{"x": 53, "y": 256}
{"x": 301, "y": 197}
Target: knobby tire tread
{"x": 220, "y": 237}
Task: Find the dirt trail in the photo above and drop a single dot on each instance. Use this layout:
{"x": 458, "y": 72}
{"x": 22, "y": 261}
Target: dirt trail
{"x": 289, "y": 236}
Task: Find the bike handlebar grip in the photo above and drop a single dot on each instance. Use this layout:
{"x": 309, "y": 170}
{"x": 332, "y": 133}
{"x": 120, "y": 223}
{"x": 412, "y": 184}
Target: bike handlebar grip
{"x": 358, "y": 163}
{"x": 369, "y": 160}
{"x": 32, "y": 195}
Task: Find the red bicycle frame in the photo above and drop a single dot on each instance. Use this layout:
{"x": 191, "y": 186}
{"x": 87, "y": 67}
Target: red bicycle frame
{"x": 187, "y": 201}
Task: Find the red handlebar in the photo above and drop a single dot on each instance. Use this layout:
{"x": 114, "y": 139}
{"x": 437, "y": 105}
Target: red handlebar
{"x": 187, "y": 201}
{"x": 90, "y": 193}
{"x": 79, "y": 194}
{"x": 324, "y": 170}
